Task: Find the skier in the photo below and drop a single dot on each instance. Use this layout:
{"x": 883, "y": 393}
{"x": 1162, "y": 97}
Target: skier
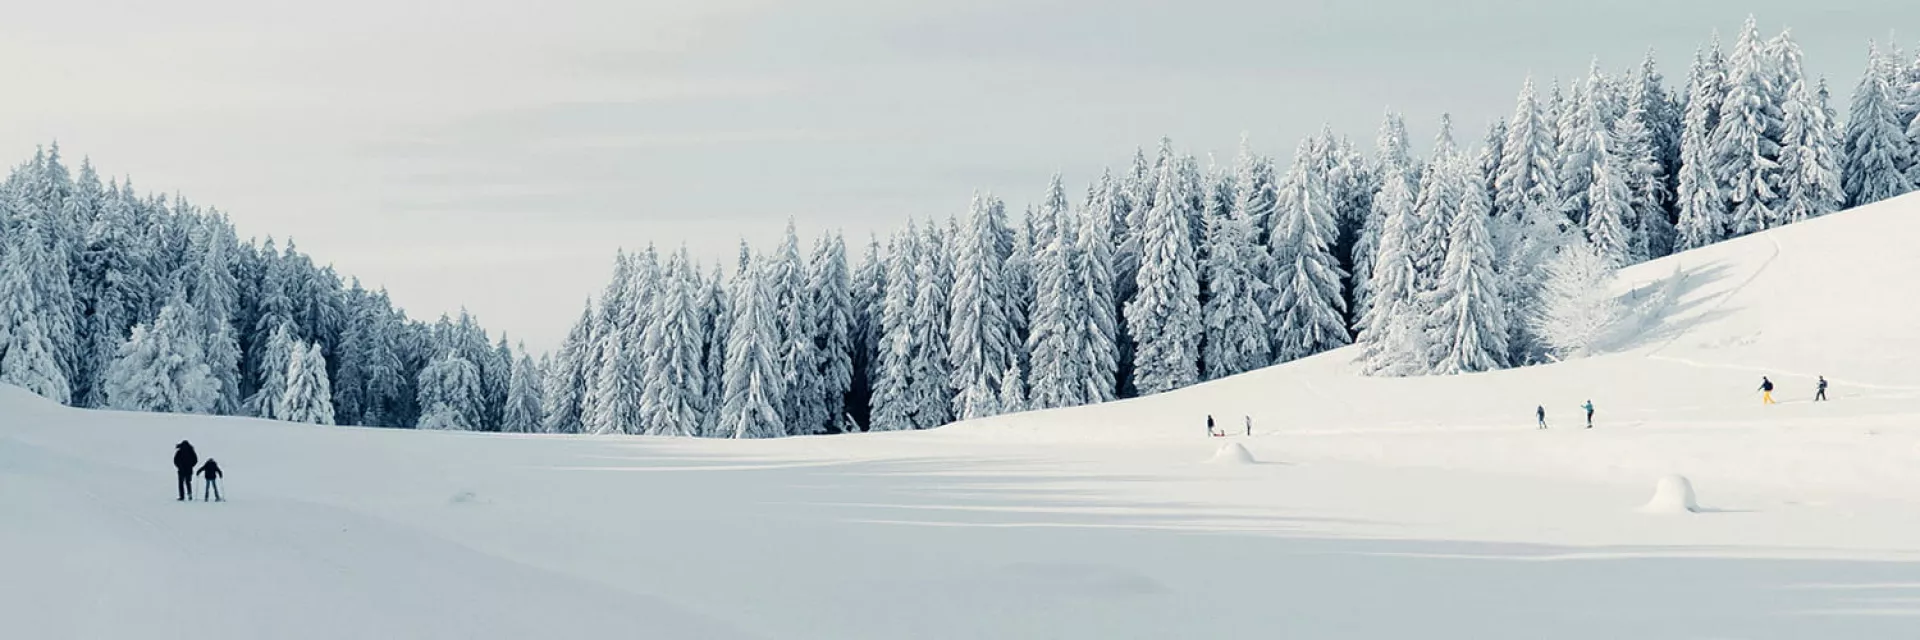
{"x": 1540, "y": 412}
{"x": 1210, "y": 431}
{"x": 211, "y": 471}
{"x": 1821, "y": 394}
{"x": 1589, "y": 407}
{"x": 183, "y": 460}
{"x": 1766, "y": 390}
{"x": 1249, "y": 425}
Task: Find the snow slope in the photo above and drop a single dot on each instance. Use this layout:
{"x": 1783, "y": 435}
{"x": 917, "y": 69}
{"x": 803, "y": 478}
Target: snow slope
{"x": 1376, "y": 508}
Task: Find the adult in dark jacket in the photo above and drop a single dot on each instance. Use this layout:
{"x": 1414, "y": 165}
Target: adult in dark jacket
{"x": 1540, "y": 413}
{"x": 1766, "y": 390}
{"x": 183, "y": 460}
{"x": 1821, "y": 394}
{"x": 211, "y": 471}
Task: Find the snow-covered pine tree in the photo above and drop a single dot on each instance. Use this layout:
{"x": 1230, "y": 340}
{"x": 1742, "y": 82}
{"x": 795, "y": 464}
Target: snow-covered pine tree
{"x": 1878, "y": 150}
{"x": 28, "y": 356}
{"x": 869, "y": 305}
{"x": 108, "y": 281}
{"x": 1585, "y": 124}
{"x": 833, "y": 340}
{"x": 1610, "y": 205}
{"x": 523, "y": 397}
{"x": 162, "y": 367}
{"x": 803, "y": 412}
{"x": 615, "y": 312}
{"x": 753, "y": 386}
{"x": 272, "y": 311}
{"x": 894, "y": 363}
{"x": 1056, "y": 355}
{"x": 977, "y": 338}
{"x": 718, "y": 309}
{"x": 1636, "y": 157}
{"x": 1013, "y": 396}
{"x": 1391, "y": 326}
{"x": 929, "y": 370}
{"x": 567, "y": 377}
{"x": 1233, "y": 317}
{"x": 1433, "y": 209}
{"x": 1577, "y": 307}
{"x": 1093, "y": 268}
{"x": 1468, "y": 329}
{"x": 1164, "y": 315}
{"x": 616, "y": 386}
{"x": 450, "y": 394}
{"x": 1746, "y": 144}
{"x": 1809, "y": 163}
{"x": 673, "y": 386}
{"x": 1308, "y": 313}
{"x": 1701, "y": 205}
{"x": 216, "y": 294}
{"x": 309, "y": 396}
{"x": 278, "y": 356}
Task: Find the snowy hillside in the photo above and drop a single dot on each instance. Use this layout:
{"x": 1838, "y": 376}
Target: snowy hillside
{"x": 1368, "y": 508}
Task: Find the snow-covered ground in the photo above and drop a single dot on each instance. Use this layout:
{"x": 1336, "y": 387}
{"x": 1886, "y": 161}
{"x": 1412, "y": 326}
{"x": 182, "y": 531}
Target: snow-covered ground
{"x": 1361, "y": 508}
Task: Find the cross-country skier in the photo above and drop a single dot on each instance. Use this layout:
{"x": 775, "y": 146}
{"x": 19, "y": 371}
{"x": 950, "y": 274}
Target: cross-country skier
{"x": 1766, "y": 390}
{"x": 1541, "y": 413}
{"x": 1249, "y": 425}
{"x": 211, "y": 471}
{"x": 1589, "y": 407}
{"x": 183, "y": 460}
{"x": 1821, "y": 394}
{"x": 1210, "y": 431}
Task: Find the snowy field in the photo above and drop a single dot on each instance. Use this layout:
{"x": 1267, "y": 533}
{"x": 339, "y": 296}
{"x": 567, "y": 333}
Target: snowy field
{"x": 1363, "y": 508}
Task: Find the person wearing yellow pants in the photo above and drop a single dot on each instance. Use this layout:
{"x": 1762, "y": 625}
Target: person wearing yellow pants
{"x": 1766, "y": 390}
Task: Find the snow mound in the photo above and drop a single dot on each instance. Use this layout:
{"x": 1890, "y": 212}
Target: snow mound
{"x": 1233, "y": 453}
{"x": 1673, "y": 495}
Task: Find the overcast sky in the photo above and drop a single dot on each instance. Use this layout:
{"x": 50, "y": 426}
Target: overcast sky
{"x": 494, "y": 154}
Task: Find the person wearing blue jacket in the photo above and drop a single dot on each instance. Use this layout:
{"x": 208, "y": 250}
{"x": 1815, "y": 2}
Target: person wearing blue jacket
{"x": 1589, "y": 407}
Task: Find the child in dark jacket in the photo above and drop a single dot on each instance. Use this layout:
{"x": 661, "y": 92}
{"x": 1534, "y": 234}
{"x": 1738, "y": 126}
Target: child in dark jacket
{"x": 211, "y": 471}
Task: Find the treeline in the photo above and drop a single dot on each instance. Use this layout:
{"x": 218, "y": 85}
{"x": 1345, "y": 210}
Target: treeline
{"x": 113, "y": 299}
{"x": 1168, "y": 273}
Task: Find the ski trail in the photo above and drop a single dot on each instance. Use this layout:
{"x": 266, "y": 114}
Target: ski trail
{"x": 1657, "y": 353}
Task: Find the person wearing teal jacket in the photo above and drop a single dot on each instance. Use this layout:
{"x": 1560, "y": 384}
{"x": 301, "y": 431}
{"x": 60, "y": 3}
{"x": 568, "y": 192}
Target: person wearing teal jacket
{"x": 1589, "y": 407}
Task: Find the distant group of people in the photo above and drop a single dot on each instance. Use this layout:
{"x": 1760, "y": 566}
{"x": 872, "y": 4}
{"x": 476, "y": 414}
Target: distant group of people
{"x": 1766, "y": 398}
{"x": 1222, "y": 433}
{"x": 184, "y": 460}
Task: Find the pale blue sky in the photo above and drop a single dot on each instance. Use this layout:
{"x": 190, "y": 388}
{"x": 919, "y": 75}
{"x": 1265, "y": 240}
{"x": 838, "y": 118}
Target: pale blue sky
{"x": 494, "y": 154}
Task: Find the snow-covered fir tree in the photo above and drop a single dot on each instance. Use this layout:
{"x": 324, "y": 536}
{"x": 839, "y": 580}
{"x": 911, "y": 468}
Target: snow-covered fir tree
{"x": 1056, "y": 355}
{"x": 1635, "y": 154}
{"x": 753, "y": 389}
{"x": 929, "y": 390}
{"x": 29, "y": 357}
{"x": 829, "y": 286}
{"x": 1308, "y": 312}
{"x": 1809, "y": 161}
{"x": 278, "y": 356}
{"x": 893, "y": 366}
{"x": 1610, "y": 212}
{"x": 1164, "y": 315}
{"x": 869, "y": 294}
{"x": 1701, "y": 206}
{"x": 567, "y": 378}
{"x": 1235, "y": 271}
{"x": 1527, "y": 175}
{"x": 1093, "y": 268}
{"x": 1878, "y": 150}
{"x": 1746, "y": 143}
{"x": 1391, "y": 328}
{"x": 803, "y": 411}
{"x": 1467, "y": 331}
{"x": 162, "y": 366}
{"x": 978, "y": 333}
{"x": 309, "y": 395}
{"x": 673, "y": 386}
{"x": 450, "y": 394}
{"x": 524, "y": 397}
{"x": 1013, "y": 393}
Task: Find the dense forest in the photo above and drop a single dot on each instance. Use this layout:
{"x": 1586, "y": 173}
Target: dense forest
{"x": 1161, "y": 274}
